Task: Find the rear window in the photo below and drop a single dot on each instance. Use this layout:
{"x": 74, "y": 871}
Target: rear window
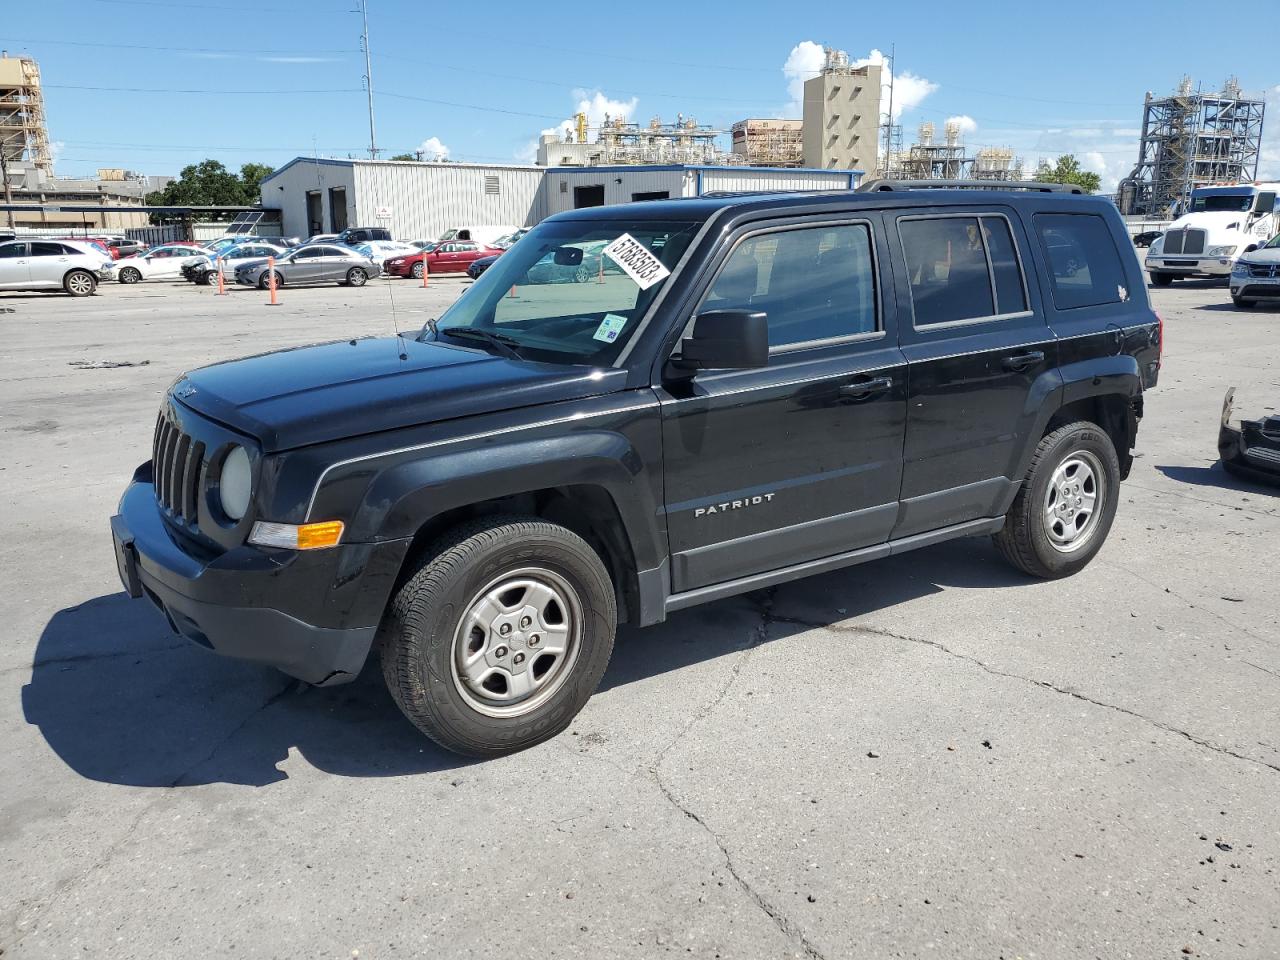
{"x": 1084, "y": 264}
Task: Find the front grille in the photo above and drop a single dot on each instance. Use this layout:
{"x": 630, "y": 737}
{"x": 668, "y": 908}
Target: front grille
{"x": 1263, "y": 270}
{"x": 1194, "y": 241}
{"x": 1173, "y": 241}
{"x": 176, "y": 462}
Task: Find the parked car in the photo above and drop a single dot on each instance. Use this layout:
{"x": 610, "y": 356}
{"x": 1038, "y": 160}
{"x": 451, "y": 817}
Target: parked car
{"x": 486, "y": 234}
{"x": 353, "y": 235}
{"x": 122, "y": 247}
{"x": 478, "y": 267}
{"x": 1250, "y": 448}
{"x": 206, "y": 272}
{"x": 505, "y": 243}
{"x": 99, "y": 245}
{"x": 320, "y": 238}
{"x": 451, "y": 256}
{"x": 311, "y": 263}
{"x": 158, "y": 263}
{"x": 1256, "y": 275}
{"x": 774, "y": 386}
{"x": 1147, "y": 238}
{"x": 384, "y": 250}
{"x": 422, "y": 243}
{"x": 66, "y": 265}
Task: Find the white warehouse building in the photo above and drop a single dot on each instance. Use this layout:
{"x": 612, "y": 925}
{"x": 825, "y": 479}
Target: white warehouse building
{"x": 415, "y": 200}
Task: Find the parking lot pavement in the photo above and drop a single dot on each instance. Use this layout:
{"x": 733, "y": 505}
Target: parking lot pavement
{"x": 926, "y": 756}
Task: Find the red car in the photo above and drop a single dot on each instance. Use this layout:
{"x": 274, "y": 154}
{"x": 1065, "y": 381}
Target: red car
{"x": 453, "y": 256}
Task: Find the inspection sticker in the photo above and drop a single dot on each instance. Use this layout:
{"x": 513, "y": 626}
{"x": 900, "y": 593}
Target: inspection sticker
{"x": 609, "y": 328}
{"x": 634, "y": 257}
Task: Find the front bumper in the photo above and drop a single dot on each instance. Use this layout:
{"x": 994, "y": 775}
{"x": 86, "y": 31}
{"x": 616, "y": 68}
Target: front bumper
{"x": 1190, "y": 266}
{"x": 254, "y": 603}
{"x": 398, "y": 269}
{"x": 1255, "y": 288}
{"x": 106, "y": 273}
{"x": 1249, "y": 448}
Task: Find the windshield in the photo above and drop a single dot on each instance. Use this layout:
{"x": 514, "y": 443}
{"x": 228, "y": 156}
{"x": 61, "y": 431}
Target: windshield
{"x": 1273, "y": 243}
{"x": 557, "y": 296}
{"x": 1208, "y": 203}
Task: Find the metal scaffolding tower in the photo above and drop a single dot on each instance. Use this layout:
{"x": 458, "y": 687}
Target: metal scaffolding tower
{"x": 1192, "y": 139}
{"x": 23, "y": 133}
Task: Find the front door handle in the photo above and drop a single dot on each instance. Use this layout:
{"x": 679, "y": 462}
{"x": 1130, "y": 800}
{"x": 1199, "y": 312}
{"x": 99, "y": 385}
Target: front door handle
{"x": 866, "y": 388}
{"x": 1023, "y": 361}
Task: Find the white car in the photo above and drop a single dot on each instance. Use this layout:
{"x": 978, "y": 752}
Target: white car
{"x": 53, "y": 265}
{"x": 384, "y": 250}
{"x": 158, "y": 263}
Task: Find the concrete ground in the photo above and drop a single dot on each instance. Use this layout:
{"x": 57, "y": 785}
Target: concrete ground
{"x": 929, "y": 756}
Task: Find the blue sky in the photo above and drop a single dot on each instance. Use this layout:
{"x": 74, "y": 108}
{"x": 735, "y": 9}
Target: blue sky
{"x": 484, "y": 79}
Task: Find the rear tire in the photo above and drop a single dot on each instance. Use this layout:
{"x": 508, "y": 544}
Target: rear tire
{"x": 1065, "y": 508}
{"x": 1162, "y": 279}
{"x": 490, "y": 599}
{"x": 80, "y": 283}
{"x": 356, "y": 277}
{"x": 130, "y": 275}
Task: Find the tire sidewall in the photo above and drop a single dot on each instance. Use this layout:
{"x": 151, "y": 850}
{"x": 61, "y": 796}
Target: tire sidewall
{"x": 434, "y": 620}
{"x": 93, "y": 283}
{"x": 1094, "y": 440}
{"x": 356, "y": 277}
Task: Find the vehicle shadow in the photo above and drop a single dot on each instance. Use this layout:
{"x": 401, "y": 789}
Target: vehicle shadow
{"x": 1216, "y": 476}
{"x": 122, "y": 700}
{"x": 1228, "y": 307}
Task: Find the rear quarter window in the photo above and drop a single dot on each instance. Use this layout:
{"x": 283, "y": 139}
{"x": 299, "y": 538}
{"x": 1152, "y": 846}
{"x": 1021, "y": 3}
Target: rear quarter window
{"x": 1084, "y": 264}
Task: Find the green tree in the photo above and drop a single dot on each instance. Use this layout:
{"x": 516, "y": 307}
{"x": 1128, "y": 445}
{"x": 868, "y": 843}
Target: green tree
{"x": 209, "y": 183}
{"x": 404, "y": 156}
{"x": 1067, "y": 170}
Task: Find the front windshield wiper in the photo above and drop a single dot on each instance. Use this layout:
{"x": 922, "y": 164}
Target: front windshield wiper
{"x": 505, "y": 345}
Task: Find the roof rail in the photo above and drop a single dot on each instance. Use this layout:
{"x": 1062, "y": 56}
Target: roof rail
{"x": 1035, "y": 186}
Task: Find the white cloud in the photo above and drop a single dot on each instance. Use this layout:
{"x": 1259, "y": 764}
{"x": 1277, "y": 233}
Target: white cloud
{"x": 432, "y": 149}
{"x": 964, "y": 122}
{"x": 806, "y": 60}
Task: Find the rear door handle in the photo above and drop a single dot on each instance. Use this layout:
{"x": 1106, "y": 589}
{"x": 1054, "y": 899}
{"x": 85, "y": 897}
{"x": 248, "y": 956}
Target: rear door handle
{"x": 1023, "y": 361}
{"x": 866, "y": 388}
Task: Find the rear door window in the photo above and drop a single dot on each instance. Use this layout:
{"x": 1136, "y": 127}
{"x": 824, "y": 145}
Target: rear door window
{"x": 1084, "y": 264}
{"x": 46, "y": 249}
{"x": 947, "y": 270}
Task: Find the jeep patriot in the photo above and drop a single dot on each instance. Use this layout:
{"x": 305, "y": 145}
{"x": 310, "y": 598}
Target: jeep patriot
{"x": 735, "y": 392}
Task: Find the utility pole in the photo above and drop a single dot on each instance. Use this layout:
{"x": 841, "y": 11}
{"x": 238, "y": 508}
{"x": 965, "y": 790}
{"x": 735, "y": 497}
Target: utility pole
{"x": 888, "y": 126}
{"x": 368, "y": 78}
{"x": 8, "y": 191}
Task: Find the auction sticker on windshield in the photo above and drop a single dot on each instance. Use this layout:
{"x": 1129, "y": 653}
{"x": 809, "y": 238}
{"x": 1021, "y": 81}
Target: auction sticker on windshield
{"x": 634, "y": 258}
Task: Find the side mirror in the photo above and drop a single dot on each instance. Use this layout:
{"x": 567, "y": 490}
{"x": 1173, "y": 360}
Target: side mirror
{"x": 726, "y": 340}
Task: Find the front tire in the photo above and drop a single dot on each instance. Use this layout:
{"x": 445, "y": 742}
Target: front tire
{"x": 356, "y": 277}
{"x": 1162, "y": 279}
{"x": 1242, "y": 304}
{"x": 264, "y": 281}
{"x": 500, "y": 635}
{"x": 1061, "y": 516}
{"x": 418, "y": 270}
{"x": 79, "y": 283}
{"x": 130, "y": 275}
{"x": 209, "y": 278}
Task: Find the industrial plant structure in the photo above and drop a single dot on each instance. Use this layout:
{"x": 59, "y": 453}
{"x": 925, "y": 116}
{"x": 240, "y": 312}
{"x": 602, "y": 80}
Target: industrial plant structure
{"x": 619, "y": 141}
{"x": 769, "y": 143}
{"x": 928, "y": 159}
{"x": 1192, "y": 139}
{"x": 23, "y": 132}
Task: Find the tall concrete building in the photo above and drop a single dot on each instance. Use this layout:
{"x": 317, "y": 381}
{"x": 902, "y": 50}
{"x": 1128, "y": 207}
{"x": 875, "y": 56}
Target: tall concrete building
{"x": 842, "y": 115}
{"x": 23, "y": 134}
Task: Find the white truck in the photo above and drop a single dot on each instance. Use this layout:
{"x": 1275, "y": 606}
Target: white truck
{"x": 1221, "y": 223}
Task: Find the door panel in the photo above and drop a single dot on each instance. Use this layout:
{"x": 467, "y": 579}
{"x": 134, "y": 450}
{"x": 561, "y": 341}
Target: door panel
{"x": 801, "y": 459}
{"x": 977, "y": 383}
{"x": 48, "y": 263}
{"x": 15, "y": 268}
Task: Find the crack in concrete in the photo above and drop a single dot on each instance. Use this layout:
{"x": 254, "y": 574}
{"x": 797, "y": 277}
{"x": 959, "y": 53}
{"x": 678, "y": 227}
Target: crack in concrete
{"x": 1042, "y": 684}
{"x": 62, "y": 886}
{"x": 83, "y": 657}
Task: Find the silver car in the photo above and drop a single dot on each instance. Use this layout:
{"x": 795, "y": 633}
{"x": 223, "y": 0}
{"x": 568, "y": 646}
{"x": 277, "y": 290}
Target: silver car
{"x": 312, "y": 263}
{"x": 233, "y": 257}
{"x": 53, "y": 265}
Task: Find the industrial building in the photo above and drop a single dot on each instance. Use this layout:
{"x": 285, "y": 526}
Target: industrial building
{"x": 842, "y": 115}
{"x": 949, "y": 159}
{"x": 769, "y": 143}
{"x": 24, "y": 135}
{"x": 1192, "y": 139}
{"x": 414, "y": 199}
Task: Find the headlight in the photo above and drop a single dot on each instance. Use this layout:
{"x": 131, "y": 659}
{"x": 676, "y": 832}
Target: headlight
{"x": 1221, "y": 251}
{"x": 1240, "y": 269}
{"x": 235, "y": 483}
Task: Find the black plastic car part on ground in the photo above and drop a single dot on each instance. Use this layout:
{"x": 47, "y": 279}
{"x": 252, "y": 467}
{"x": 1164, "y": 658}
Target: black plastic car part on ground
{"x": 679, "y": 401}
{"x": 1249, "y": 448}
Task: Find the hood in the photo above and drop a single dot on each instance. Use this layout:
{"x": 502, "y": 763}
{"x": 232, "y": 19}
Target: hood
{"x": 252, "y": 263}
{"x": 1264, "y": 255}
{"x": 1215, "y": 221}
{"x": 332, "y": 391}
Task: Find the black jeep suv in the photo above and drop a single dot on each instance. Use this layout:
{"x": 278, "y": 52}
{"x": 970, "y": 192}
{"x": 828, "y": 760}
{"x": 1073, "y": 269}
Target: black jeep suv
{"x": 760, "y": 387}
